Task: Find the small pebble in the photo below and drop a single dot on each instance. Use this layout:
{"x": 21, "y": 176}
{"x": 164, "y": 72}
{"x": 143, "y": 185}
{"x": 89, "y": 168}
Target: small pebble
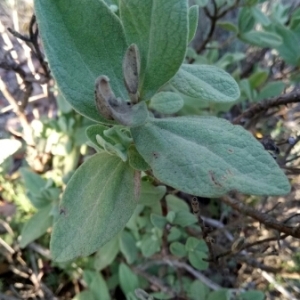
{"x": 291, "y": 140}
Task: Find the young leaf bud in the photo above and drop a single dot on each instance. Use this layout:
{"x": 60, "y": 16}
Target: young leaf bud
{"x": 131, "y": 71}
{"x": 103, "y": 95}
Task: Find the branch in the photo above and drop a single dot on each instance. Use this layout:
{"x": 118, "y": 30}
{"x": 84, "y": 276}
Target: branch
{"x": 263, "y": 106}
{"x": 182, "y": 265}
{"x": 263, "y": 218}
{"x": 213, "y": 22}
{"x": 32, "y": 42}
{"x": 155, "y": 281}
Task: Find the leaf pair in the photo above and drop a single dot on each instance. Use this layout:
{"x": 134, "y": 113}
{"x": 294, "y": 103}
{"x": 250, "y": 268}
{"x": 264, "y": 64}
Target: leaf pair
{"x": 93, "y": 41}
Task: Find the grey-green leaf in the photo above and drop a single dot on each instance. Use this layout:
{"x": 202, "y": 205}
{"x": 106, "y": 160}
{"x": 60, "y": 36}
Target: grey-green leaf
{"x": 193, "y": 21}
{"x": 208, "y": 156}
{"x": 160, "y": 30}
{"x": 97, "y": 203}
{"x": 206, "y": 82}
{"x": 36, "y": 226}
{"x": 136, "y": 161}
{"x": 166, "y": 102}
{"x": 82, "y": 42}
{"x": 150, "y": 194}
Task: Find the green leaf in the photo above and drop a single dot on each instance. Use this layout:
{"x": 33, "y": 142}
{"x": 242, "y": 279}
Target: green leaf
{"x": 107, "y": 254}
{"x": 289, "y": 49}
{"x": 91, "y": 133}
{"x": 196, "y": 259}
{"x": 136, "y": 161}
{"x": 259, "y": 16}
{"x": 128, "y": 280}
{"x": 228, "y": 26}
{"x": 198, "y": 290}
{"x": 150, "y": 245}
{"x": 193, "y": 244}
{"x": 97, "y": 203}
{"x": 160, "y": 31}
{"x": 166, "y": 102}
{"x": 128, "y": 247}
{"x": 222, "y": 294}
{"x": 253, "y": 295}
{"x": 8, "y": 148}
{"x": 34, "y": 183}
{"x": 258, "y": 78}
{"x": 96, "y": 284}
{"x": 85, "y": 295}
{"x": 174, "y": 234}
{"x": 261, "y": 38}
{"x": 82, "y": 42}
{"x": 36, "y": 226}
{"x": 158, "y": 221}
{"x": 246, "y": 20}
{"x": 112, "y": 140}
{"x": 229, "y": 58}
{"x": 246, "y": 89}
{"x": 176, "y": 204}
{"x": 151, "y": 194}
{"x": 184, "y": 218}
{"x": 171, "y": 216}
{"x": 208, "y": 156}
{"x": 193, "y": 21}
{"x": 206, "y": 82}
{"x": 271, "y": 89}
{"x": 178, "y": 249}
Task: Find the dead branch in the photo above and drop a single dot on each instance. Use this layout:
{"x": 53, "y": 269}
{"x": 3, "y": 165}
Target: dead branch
{"x": 263, "y": 106}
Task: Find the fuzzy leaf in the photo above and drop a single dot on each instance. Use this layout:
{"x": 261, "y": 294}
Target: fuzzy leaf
{"x": 206, "y": 82}
{"x": 136, "y": 161}
{"x": 97, "y": 203}
{"x": 166, "y": 102}
{"x": 209, "y": 157}
{"x": 193, "y": 21}
{"x": 160, "y": 30}
{"x": 151, "y": 194}
{"x": 82, "y": 42}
